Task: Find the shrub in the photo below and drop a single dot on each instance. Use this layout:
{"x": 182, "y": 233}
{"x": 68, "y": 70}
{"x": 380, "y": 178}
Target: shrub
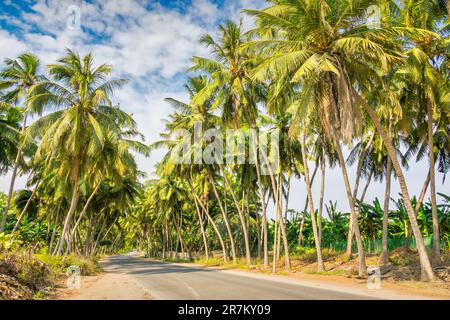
{"x": 26, "y": 268}
{"x": 401, "y": 257}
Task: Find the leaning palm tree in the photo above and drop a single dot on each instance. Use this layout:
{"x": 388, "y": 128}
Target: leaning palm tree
{"x": 191, "y": 115}
{"x": 74, "y": 134}
{"x": 237, "y": 96}
{"x": 18, "y": 78}
{"x": 427, "y": 85}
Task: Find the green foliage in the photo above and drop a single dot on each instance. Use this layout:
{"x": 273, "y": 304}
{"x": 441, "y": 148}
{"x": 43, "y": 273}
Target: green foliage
{"x": 24, "y": 266}
{"x": 39, "y": 271}
{"x": 59, "y": 264}
{"x": 8, "y": 242}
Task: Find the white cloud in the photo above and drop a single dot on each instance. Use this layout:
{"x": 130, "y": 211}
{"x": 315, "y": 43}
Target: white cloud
{"x": 10, "y": 46}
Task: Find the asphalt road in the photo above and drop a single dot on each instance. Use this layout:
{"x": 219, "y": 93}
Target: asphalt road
{"x": 175, "y": 281}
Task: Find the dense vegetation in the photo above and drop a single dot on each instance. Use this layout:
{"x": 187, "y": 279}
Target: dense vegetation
{"x": 316, "y": 72}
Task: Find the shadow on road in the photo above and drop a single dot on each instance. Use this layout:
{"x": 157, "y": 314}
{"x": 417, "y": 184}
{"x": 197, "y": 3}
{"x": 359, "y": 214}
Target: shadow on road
{"x": 142, "y": 266}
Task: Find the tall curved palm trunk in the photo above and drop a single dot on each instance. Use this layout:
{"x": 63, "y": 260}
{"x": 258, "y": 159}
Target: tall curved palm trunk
{"x": 73, "y": 206}
{"x": 241, "y": 217}
{"x": 436, "y": 258}
{"x": 13, "y": 178}
{"x": 419, "y": 202}
{"x": 362, "y": 270}
{"x": 328, "y": 104}
{"x": 225, "y": 219}
{"x": 322, "y": 194}
{"x": 426, "y": 270}
{"x": 202, "y": 229}
{"x": 75, "y": 179}
{"x": 387, "y": 196}
{"x": 359, "y": 168}
{"x": 320, "y": 265}
{"x": 287, "y": 262}
{"x": 255, "y": 143}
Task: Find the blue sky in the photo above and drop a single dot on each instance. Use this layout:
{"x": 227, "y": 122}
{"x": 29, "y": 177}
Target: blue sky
{"x": 151, "y": 44}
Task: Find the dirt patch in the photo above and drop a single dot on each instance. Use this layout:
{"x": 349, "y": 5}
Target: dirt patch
{"x": 105, "y": 286}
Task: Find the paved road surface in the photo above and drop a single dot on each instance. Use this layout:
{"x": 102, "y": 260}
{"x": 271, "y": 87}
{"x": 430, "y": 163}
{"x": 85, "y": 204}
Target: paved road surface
{"x": 175, "y": 281}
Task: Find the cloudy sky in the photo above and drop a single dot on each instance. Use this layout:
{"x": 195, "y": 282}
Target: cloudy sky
{"x": 151, "y": 44}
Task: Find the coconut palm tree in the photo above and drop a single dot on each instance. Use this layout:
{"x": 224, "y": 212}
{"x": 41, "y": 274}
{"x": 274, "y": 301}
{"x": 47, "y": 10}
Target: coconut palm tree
{"x": 232, "y": 90}
{"x": 74, "y": 134}
{"x": 18, "y": 78}
{"x": 422, "y": 69}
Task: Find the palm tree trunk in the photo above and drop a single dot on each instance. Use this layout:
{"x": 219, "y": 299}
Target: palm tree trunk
{"x": 202, "y": 230}
{"x": 75, "y": 172}
{"x": 312, "y": 181}
{"x": 225, "y": 219}
{"x": 419, "y": 202}
{"x": 241, "y": 216}
{"x": 72, "y": 208}
{"x": 180, "y": 233}
{"x": 286, "y": 206}
{"x": 265, "y": 231}
{"x": 436, "y": 257}
{"x": 362, "y": 270}
{"x": 258, "y": 235}
{"x": 89, "y": 234}
{"x": 55, "y": 226}
{"x": 275, "y": 243}
{"x": 320, "y": 265}
{"x": 280, "y": 214}
{"x": 164, "y": 243}
{"x": 322, "y": 194}
{"x": 86, "y": 205}
{"x": 359, "y": 168}
{"x": 13, "y": 178}
{"x": 300, "y": 233}
{"x": 255, "y": 143}
{"x": 369, "y": 179}
{"x": 351, "y": 231}
{"x": 96, "y": 241}
{"x": 219, "y": 236}
{"x": 387, "y": 198}
{"x": 287, "y": 263}
{"x": 26, "y": 207}
{"x": 426, "y": 270}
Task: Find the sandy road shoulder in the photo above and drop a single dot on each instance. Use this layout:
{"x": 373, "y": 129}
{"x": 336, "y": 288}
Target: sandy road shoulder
{"x": 105, "y": 286}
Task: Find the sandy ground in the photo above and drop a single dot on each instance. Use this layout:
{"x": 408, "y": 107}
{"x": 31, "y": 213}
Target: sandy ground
{"x": 105, "y": 286}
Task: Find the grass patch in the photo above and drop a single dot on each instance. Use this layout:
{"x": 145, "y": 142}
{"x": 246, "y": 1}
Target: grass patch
{"x": 176, "y": 260}
{"x": 327, "y": 273}
{"x": 39, "y": 271}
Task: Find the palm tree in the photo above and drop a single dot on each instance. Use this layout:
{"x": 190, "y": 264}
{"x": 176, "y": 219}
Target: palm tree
{"x": 18, "y": 77}
{"x": 232, "y": 91}
{"x": 75, "y": 133}
{"x": 427, "y": 84}
{"x": 193, "y": 113}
